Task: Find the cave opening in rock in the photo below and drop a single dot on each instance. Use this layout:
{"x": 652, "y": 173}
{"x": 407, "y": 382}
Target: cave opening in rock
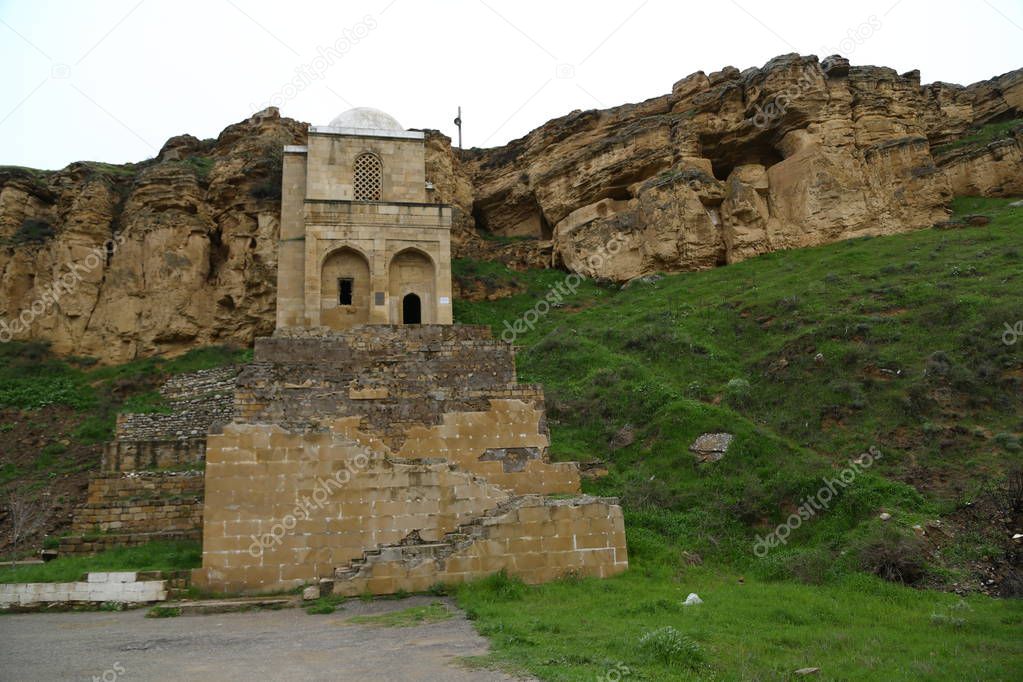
{"x": 725, "y": 155}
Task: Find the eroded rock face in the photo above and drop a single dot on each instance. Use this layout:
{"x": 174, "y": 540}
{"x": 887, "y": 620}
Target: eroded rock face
{"x": 153, "y": 258}
{"x": 991, "y": 170}
{"x": 734, "y": 164}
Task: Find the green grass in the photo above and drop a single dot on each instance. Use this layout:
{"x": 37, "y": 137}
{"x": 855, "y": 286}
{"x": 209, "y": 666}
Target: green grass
{"x": 325, "y": 605}
{"x": 809, "y": 358}
{"x": 405, "y": 618}
{"x": 32, "y": 378}
{"x": 982, "y": 136}
{"x": 858, "y": 629}
{"x": 155, "y": 556}
{"x": 163, "y": 612}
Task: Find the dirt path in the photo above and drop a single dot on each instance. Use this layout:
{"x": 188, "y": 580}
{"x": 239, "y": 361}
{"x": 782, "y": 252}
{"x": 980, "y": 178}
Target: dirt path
{"x": 266, "y": 645}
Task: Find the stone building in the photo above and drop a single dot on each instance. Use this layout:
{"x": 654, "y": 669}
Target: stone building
{"x": 362, "y": 238}
{"x": 375, "y": 446}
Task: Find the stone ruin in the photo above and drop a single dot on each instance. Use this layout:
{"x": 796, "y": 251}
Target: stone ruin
{"x": 150, "y": 484}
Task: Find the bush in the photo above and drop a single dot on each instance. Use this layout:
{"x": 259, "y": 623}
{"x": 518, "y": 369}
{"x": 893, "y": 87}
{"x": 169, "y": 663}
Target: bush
{"x": 737, "y": 392}
{"x": 672, "y": 648}
{"x": 893, "y": 555}
{"x": 644, "y": 492}
{"x": 33, "y": 231}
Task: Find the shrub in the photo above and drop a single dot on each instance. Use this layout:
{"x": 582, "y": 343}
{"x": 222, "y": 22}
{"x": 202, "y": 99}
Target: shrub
{"x": 163, "y": 612}
{"x": 1008, "y": 441}
{"x": 672, "y": 648}
{"x": 33, "y": 231}
{"x": 893, "y": 555}
{"x": 644, "y": 492}
{"x": 737, "y": 392}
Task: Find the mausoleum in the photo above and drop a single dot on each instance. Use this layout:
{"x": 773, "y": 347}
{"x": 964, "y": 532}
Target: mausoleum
{"x": 362, "y": 238}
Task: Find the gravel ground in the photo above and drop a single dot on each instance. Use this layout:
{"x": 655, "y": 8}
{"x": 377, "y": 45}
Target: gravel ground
{"x": 262, "y": 645}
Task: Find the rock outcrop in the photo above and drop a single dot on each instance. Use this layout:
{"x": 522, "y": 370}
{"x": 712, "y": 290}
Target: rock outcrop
{"x": 120, "y": 262}
{"x": 733, "y": 164}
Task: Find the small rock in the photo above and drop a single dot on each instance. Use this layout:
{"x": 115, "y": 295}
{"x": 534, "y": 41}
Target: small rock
{"x": 808, "y": 671}
{"x": 819, "y": 358}
{"x": 692, "y": 558}
{"x": 692, "y": 600}
{"x": 625, "y": 437}
{"x": 310, "y": 593}
{"x": 919, "y": 530}
{"x": 977, "y": 220}
{"x": 885, "y": 516}
{"x": 711, "y": 447}
{"x": 1018, "y": 537}
{"x": 1017, "y": 204}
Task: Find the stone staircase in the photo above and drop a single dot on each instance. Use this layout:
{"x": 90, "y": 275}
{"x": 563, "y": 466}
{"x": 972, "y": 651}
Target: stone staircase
{"x": 519, "y": 536}
{"x": 413, "y": 550}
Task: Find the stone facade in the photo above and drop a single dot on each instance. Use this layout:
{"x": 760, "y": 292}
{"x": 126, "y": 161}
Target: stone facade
{"x": 362, "y": 238}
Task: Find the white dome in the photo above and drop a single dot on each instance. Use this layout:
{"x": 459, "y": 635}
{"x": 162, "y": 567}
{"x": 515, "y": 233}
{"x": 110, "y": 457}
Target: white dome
{"x": 366, "y": 118}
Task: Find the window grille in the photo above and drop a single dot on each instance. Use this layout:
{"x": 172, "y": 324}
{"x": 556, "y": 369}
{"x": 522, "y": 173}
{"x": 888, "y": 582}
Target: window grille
{"x": 367, "y": 178}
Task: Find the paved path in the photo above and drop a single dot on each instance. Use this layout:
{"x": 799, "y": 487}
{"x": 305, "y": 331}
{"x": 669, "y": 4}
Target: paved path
{"x": 264, "y": 645}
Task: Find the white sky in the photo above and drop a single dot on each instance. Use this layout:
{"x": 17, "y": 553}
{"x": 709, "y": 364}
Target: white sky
{"x": 111, "y": 81}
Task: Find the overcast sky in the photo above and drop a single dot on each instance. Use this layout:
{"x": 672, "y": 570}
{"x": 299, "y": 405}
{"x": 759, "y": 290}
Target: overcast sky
{"x": 112, "y": 80}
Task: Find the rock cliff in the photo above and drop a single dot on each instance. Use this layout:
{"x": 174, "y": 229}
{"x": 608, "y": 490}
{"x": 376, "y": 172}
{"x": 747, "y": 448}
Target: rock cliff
{"x": 733, "y": 164}
{"x": 119, "y": 262}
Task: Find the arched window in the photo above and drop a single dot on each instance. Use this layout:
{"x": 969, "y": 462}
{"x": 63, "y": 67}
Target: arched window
{"x": 367, "y": 177}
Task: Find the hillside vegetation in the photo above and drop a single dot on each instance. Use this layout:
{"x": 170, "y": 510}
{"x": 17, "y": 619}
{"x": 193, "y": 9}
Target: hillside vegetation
{"x": 904, "y": 344}
{"x": 809, "y": 358}
{"x": 55, "y": 414}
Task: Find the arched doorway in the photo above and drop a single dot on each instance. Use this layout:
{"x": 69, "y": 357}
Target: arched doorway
{"x": 344, "y": 289}
{"x": 411, "y": 281}
{"x": 411, "y": 310}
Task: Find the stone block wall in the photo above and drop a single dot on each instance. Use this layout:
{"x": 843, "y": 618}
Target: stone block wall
{"x": 287, "y": 508}
{"x": 121, "y": 587}
{"x": 384, "y": 446}
{"x": 142, "y": 503}
{"x": 197, "y": 401}
{"x": 395, "y": 377}
{"x": 535, "y": 539}
{"x": 147, "y": 455}
{"x": 131, "y": 509}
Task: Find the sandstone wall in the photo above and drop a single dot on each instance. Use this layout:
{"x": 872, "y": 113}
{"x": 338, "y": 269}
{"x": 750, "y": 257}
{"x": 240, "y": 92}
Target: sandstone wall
{"x": 395, "y": 377}
{"x": 318, "y": 500}
{"x": 142, "y": 503}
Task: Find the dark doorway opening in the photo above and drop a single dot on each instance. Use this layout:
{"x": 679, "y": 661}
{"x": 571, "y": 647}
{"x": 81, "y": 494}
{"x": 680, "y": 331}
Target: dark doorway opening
{"x": 344, "y": 288}
{"x": 411, "y": 310}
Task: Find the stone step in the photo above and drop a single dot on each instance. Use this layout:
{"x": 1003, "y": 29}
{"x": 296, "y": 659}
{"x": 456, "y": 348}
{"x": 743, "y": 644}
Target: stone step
{"x": 210, "y": 606}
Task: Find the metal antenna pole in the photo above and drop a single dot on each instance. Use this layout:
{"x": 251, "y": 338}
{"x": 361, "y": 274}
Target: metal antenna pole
{"x": 458, "y": 122}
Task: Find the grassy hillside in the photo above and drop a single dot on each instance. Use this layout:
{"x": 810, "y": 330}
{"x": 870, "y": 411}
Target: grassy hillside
{"x": 810, "y": 358}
